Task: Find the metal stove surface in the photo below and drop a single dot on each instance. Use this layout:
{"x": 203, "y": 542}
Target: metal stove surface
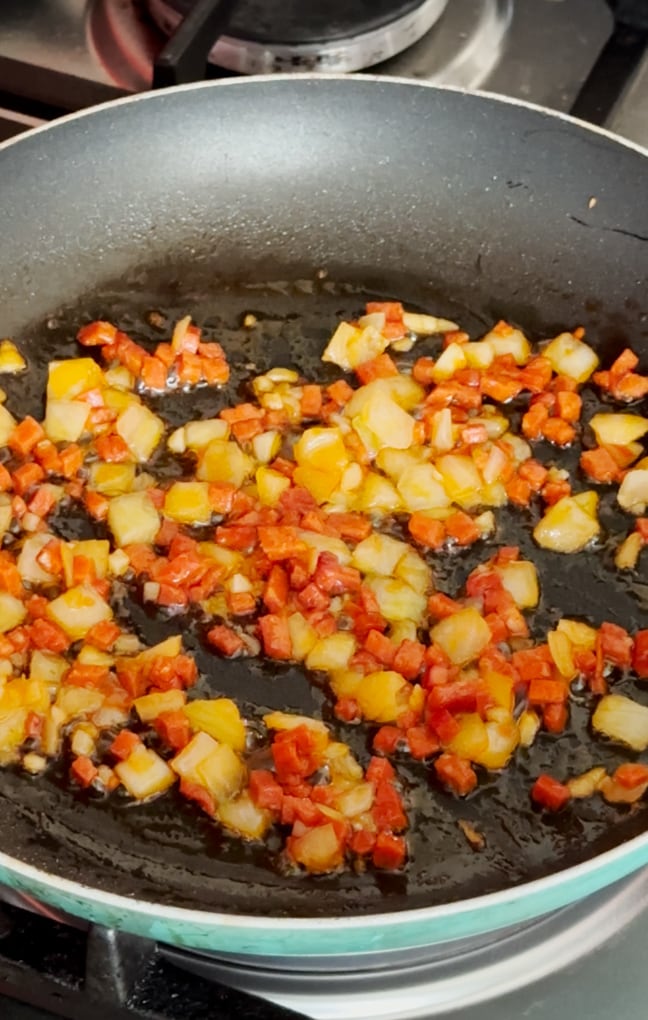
{"x": 68, "y": 54}
{"x": 268, "y": 36}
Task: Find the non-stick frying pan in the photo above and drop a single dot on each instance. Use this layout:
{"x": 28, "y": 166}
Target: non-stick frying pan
{"x": 219, "y": 199}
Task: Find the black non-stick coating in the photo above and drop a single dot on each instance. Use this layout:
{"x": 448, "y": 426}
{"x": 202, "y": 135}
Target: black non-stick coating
{"x": 461, "y": 205}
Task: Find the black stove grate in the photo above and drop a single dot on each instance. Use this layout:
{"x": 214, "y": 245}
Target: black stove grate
{"x": 617, "y": 63}
{"x": 101, "y": 974}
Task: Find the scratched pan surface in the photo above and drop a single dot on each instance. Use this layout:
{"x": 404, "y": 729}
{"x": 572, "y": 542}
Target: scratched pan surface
{"x": 484, "y": 213}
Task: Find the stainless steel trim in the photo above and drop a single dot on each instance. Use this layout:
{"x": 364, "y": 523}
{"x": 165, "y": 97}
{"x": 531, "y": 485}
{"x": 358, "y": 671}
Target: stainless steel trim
{"x": 340, "y": 56}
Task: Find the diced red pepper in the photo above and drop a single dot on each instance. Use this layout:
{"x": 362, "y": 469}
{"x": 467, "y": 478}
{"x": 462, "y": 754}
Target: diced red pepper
{"x": 275, "y": 636}
{"x": 422, "y": 742}
{"x": 71, "y": 460}
{"x": 86, "y": 675}
{"x": 389, "y": 852}
{"x": 379, "y": 770}
{"x": 24, "y": 437}
{"x": 426, "y": 530}
{"x": 599, "y": 465}
{"x": 387, "y": 811}
{"x": 380, "y": 646}
{"x": 36, "y": 606}
{"x": 555, "y": 717}
{"x": 113, "y": 449}
{"x": 265, "y": 791}
{"x": 103, "y": 635}
{"x": 340, "y": 392}
{"x": 640, "y": 654}
{"x": 631, "y": 775}
{"x": 549, "y": 793}
{"x": 225, "y": 640}
{"x": 543, "y": 691}
{"x": 569, "y": 406}
{"x": 47, "y": 635}
{"x": 347, "y": 709}
{"x": 333, "y": 578}
{"x": 236, "y": 536}
{"x": 124, "y": 744}
{"x": 456, "y": 772}
{"x": 392, "y": 310}
{"x": 616, "y": 644}
{"x": 312, "y": 598}
{"x": 96, "y": 334}
{"x": 173, "y": 728}
{"x": 440, "y": 606}
{"x": 533, "y": 663}
{"x": 463, "y": 695}
{"x": 387, "y": 739}
{"x": 349, "y": 526}
{"x": 362, "y": 842}
{"x": 201, "y": 796}
{"x": 461, "y": 528}
{"x": 409, "y": 659}
{"x": 83, "y": 771}
{"x": 380, "y": 367}
{"x": 441, "y": 722}
{"x": 26, "y": 476}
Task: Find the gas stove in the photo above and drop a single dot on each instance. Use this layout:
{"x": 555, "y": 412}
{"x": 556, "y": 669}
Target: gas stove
{"x": 585, "y": 56}
{"x": 589, "y": 57}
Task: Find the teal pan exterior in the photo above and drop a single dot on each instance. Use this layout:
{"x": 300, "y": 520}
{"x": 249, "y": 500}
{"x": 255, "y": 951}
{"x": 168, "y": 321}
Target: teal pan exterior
{"x": 334, "y": 936}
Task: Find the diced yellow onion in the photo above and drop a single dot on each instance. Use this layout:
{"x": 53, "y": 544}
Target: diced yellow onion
{"x": 618, "y": 429}
{"x": 566, "y": 527}
{"x": 622, "y": 720}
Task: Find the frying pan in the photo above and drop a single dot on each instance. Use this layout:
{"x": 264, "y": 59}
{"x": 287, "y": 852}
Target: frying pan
{"x": 298, "y": 198}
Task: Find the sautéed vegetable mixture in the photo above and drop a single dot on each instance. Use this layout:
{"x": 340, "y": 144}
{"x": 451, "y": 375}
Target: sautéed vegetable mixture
{"x": 303, "y": 525}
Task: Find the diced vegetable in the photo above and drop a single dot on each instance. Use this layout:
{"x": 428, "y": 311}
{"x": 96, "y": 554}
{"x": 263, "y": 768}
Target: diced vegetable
{"x": 133, "y": 518}
{"x": 65, "y": 420}
{"x": 633, "y": 491}
{"x": 220, "y": 718}
{"x": 566, "y": 527}
{"x": 68, "y": 379}
{"x": 144, "y": 773}
{"x": 308, "y": 523}
{"x": 462, "y": 636}
{"x": 521, "y": 581}
{"x": 7, "y": 425}
{"x": 12, "y": 612}
{"x": 188, "y": 503}
{"x": 622, "y": 720}
{"x": 571, "y": 357}
{"x": 11, "y": 360}
{"x": 224, "y": 461}
{"x": 77, "y": 610}
{"x": 618, "y": 429}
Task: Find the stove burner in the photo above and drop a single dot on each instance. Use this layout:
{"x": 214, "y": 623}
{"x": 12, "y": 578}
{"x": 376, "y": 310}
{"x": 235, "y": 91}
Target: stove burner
{"x": 267, "y": 36}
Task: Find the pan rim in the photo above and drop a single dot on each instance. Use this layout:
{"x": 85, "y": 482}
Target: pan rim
{"x": 622, "y": 857}
{"x": 153, "y": 94}
{"x": 387, "y": 920}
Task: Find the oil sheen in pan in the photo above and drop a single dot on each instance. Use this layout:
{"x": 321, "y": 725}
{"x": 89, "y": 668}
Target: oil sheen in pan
{"x": 167, "y": 851}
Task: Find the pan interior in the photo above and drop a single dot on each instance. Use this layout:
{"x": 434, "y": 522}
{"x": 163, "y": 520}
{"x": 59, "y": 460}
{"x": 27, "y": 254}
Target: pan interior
{"x": 166, "y": 851}
{"x": 465, "y": 206}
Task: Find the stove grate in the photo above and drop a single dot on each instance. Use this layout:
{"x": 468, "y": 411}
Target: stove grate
{"x": 102, "y": 974}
